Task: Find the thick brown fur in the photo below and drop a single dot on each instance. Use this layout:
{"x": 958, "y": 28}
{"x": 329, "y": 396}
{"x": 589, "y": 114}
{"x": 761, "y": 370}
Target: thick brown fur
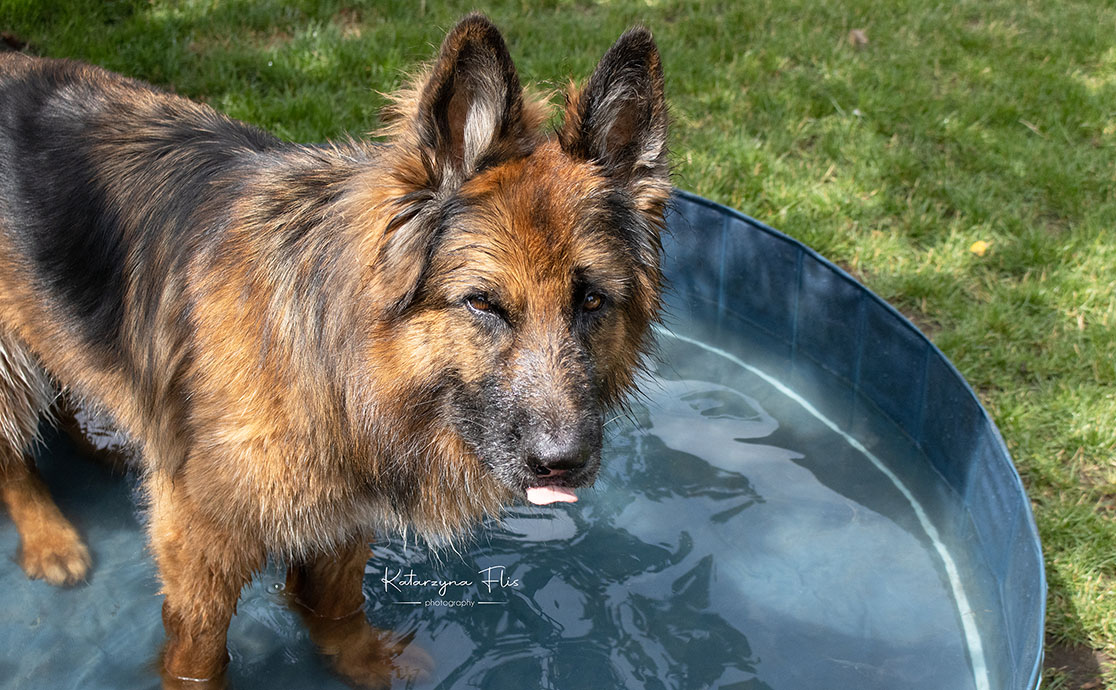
{"x": 309, "y": 344}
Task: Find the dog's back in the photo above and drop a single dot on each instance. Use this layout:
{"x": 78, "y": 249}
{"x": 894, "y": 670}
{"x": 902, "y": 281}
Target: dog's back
{"x": 99, "y": 174}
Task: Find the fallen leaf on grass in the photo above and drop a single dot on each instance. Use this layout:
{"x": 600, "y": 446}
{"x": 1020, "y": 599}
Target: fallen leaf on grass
{"x": 980, "y": 247}
{"x": 1033, "y": 127}
{"x": 857, "y": 38}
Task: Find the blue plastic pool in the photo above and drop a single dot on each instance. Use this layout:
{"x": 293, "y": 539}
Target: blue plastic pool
{"x": 806, "y": 495}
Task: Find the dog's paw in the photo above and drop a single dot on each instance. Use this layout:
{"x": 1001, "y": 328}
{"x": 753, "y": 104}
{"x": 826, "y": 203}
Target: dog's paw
{"x": 363, "y": 657}
{"x": 56, "y": 555}
{"x": 413, "y": 663}
{"x": 366, "y": 657}
{"x": 374, "y": 663}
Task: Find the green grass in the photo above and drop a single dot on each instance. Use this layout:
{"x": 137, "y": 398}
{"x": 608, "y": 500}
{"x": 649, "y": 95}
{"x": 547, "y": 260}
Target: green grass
{"x": 956, "y": 122}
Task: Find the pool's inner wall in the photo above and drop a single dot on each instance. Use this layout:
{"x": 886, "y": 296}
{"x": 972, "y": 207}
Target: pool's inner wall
{"x": 822, "y": 328}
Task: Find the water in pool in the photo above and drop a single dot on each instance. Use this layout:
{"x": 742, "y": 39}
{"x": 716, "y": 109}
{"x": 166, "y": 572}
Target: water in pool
{"x": 735, "y": 540}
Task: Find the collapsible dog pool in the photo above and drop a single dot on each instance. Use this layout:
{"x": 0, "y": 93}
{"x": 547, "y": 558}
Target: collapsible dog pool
{"x": 806, "y": 496}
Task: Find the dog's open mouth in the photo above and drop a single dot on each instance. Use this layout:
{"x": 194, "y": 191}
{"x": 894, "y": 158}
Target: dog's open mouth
{"x": 549, "y": 486}
{"x": 543, "y": 495}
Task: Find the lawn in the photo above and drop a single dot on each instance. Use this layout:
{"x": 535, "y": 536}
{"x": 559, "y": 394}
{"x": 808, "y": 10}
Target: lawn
{"x": 890, "y": 137}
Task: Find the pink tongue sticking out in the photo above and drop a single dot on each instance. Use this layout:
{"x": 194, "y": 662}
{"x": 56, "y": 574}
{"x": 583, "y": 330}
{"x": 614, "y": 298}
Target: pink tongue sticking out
{"x": 542, "y": 495}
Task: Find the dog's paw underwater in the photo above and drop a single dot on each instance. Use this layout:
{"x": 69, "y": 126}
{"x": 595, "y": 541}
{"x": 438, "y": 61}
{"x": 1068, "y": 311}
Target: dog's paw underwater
{"x": 310, "y": 344}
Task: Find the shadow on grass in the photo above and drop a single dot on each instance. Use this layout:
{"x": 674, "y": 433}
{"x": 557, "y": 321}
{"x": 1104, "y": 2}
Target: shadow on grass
{"x": 1068, "y": 666}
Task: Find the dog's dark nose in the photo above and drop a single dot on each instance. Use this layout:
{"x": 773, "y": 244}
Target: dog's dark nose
{"x": 549, "y": 455}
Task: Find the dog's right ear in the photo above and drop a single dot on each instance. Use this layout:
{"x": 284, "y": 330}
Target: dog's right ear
{"x": 467, "y": 113}
{"x": 470, "y": 112}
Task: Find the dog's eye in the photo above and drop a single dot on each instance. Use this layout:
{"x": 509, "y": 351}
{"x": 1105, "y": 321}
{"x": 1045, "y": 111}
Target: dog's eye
{"x": 592, "y": 302}
{"x": 479, "y": 303}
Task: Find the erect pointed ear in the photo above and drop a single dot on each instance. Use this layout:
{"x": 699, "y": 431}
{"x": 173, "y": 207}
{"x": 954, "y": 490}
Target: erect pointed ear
{"x": 467, "y": 113}
{"x": 470, "y": 111}
{"x": 619, "y": 119}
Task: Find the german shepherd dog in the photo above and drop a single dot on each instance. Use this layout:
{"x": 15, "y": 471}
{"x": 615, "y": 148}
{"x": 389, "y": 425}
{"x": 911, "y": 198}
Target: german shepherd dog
{"x": 307, "y": 344}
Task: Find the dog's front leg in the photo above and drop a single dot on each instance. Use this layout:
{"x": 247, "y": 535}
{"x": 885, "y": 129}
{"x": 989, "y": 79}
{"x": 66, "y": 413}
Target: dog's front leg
{"x": 330, "y": 586}
{"x": 327, "y": 593}
{"x": 203, "y": 566}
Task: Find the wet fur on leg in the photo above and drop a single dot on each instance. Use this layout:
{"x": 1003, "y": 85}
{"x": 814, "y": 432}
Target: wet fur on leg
{"x": 327, "y": 594}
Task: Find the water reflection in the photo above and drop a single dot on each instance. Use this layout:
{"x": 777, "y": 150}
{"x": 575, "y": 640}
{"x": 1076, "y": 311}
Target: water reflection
{"x": 612, "y": 592}
{"x": 709, "y": 557}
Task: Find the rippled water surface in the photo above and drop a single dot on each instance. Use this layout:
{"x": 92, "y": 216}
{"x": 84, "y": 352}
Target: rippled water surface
{"x": 733, "y": 541}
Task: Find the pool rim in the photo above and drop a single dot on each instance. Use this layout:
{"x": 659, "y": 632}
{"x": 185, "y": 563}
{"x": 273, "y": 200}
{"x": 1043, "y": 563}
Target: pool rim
{"x": 1000, "y": 453}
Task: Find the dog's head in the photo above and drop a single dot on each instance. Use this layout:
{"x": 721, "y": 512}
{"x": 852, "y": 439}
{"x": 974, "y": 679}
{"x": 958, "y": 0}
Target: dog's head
{"x": 520, "y": 266}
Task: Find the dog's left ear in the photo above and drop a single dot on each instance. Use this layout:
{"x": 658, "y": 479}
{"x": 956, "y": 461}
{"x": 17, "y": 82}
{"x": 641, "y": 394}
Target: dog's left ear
{"x": 470, "y": 112}
{"x": 619, "y": 120}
